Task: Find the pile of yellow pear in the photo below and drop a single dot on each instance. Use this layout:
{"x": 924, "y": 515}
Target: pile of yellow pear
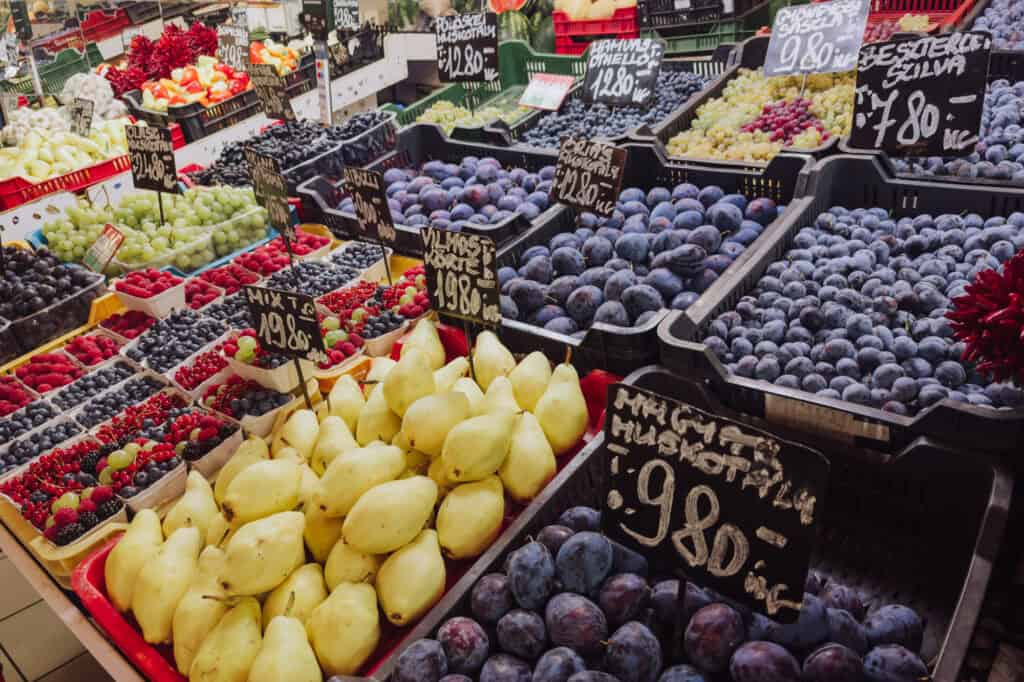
{"x": 282, "y": 569}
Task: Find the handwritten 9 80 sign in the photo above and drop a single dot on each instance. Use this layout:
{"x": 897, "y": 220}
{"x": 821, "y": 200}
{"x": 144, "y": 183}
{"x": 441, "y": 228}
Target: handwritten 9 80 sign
{"x": 286, "y": 323}
{"x": 467, "y": 47}
{"x": 622, "y": 72}
{"x": 462, "y": 278}
{"x": 735, "y": 506}
{"x": 269, "y": 187}
{"x": 588, "y": 175}
{"x": 921, "y": 97}
{"x": 151, "y": 153}
{"x": 822, "y": 37}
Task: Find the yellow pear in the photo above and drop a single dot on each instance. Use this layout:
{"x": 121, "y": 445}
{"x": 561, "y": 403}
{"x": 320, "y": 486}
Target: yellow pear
{"x": 429, "y": 419}
{"x": 228, "y": 653}
{"x": 334, "y": 439}
{"x": 162, "y": 583}
{"x": 379, "y": 368}
{"x": 531, "y": 461}
{"x": 376, "y": 420}
{"x": 137, "y": 546}
{"x": 470, "y": 517}
{"x": 251, "y": 450}
{"x": 446, "y": 377}
{"x": 390, "y": 515}
{"x": 411, "y": 379}
{"x": 439, "y": 475}
{"x": 345, "y": 629}
{"x": 299, "y": 431}
{"x": 411, "y": 580}
{"x": 425, "y": 339}
{"x": 321, "y": 532}
{"x": 562, "y": 409}
{"x": 346, "y": 400}
{"x": 263, "y": 553}
{"x": 417, "y": 462}
{"x": 195, "y": 508}
{"x": 220, "y": 531}
{"x": 289, "y": 453}
{"x": 346, "y": 564}
{"x": 308, "y": 485}
{"x": 476, "y": 448}
{"x": 303, "y": 591}
{"x": 500, "y": 397}
{"x": 472, "y": 391}
{"x": 262, "y": 489}
{"x": 353, "y": 473}
{"x": 197, "y": 613}
{"x": 530, "y": 378}
{"x": 285, "y": 653}
{"x": 491, "y": 359}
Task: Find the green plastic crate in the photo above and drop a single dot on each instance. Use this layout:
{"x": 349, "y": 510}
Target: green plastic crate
{"x": 517, "y": 62}
{"x": 52, "y": 76}
{"x": 732, "y": 30}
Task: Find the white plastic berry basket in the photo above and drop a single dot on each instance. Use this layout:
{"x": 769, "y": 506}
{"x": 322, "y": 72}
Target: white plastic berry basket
{"x": 170, "y": 487}
{"x": 263, "y": 425}
{"x": 381, "y": 345}
{"x": 214, "y": 460}
{"x": 159, "y": 306}
{"x": 283, "y": 379}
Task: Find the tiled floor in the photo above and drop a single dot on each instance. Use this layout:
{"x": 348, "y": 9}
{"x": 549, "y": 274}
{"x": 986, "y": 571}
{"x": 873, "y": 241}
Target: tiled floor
{"x": 34, "y": 645}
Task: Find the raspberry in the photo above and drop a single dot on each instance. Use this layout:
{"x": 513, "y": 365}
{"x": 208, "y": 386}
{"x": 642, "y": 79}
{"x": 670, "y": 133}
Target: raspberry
{"x": 65, "y": 517}
{"x": 101, "y": 495}
{"x": 84, "y": 507}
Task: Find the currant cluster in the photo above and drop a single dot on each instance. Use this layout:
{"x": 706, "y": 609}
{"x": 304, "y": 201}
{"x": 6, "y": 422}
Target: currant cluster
{"x": 154, "y": 410}
{"x": 201, "y": 368}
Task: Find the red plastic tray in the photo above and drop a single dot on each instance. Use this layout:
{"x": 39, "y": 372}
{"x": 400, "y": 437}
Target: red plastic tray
{"x": 156, "y": 663}
{"x": 573, "y": 36}
{"x": 17, "y": 191}
{"x": 941, "y": 13}
{"x": 98, "y": 24}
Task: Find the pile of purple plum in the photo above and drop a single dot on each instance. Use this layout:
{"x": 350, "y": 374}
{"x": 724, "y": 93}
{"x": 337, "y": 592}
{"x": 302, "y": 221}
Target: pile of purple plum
{"x": 999, "y": 153}
{"x": 574, "y": 606}
{"x": 448, "y": 195}
{"x": 660, "y": 249}
{"x": 1004, "y": 19}
{"x": 855, "y": 310}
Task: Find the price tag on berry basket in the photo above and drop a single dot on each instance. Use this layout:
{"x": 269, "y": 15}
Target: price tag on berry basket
{"x": 233, "y": 46}
{"x": 588, "y": 175}
{"x": 462, "y": 275}
{"x": 467, "y": 47}
{"x": 546, "y": 91}
{"x": 734, "y": 507}
{"x": 622, "y": 72}
{"x": 151, "y": 153}
{"x": 822, "y": 37}
{"x": 103, "y": 250}
{"x": 286, "y": 323}
{"x": 81, "y": 116}
{"x": 271, "y": 190}
{"x": 921, "y": 97}
{"x": 270, "y": 89}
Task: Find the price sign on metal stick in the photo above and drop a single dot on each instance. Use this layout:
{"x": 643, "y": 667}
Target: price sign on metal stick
{"x": 588, "y": 175}
{"x": 623, "y": 72}
{"x": 233, "y": 46}
{"x": 731, "y": 506}
{"x": 151, "y": 153}
{"x": 467, "y": 47}
{"x": 462, "y": 276}
{"x": 822, "y": 37}
{"x": 366, "y": 187}
{"x": 270, "y": 89}
{"x": 921, "y": 97}
{"x": 271, "y": 190}
{"x": 81, "y": 116}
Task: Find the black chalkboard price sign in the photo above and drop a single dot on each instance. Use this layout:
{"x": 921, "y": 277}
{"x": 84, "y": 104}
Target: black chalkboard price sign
{"x": 81, "y": 116}
{"x": 151, "y": 153}
{"x": 233, "y": 46}
{"x": 270, "y": 89}
{"x": 271, "y": 190}
{"x": 728, "y": 505}
{"x": 462, "y": 275}
{"x": 286, "y": 323}
{"x": 921, "y": 97}
{"x": 467, "y": 47}
{"x": 366, "y": 187}
{"x": 821, "y": 37}
{"x": 588, "y": 175}
{"x": 623, "y": 72}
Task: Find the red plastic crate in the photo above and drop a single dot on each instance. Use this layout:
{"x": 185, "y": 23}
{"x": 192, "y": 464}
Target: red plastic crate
{"x": 98, "y": 24}
{"x": 177, "y": 135}
{"x": 17, "y": 191}
{"x": 573, "y": 37}
{"x": 941, "y": 13}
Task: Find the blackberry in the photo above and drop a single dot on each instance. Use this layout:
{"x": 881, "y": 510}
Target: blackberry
{"x": 108, "y": 508}
{"x": 69, "y": 533}
{"x": 88, "y": 520}
{"x": 88, "y": 462}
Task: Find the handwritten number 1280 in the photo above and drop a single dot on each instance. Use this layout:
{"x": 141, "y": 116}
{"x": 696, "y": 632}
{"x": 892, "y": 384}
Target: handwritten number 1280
{"x": 466, "y": 62}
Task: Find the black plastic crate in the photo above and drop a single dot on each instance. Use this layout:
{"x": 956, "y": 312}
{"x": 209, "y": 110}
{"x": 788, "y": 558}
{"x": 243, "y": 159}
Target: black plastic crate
{"x": 851, "y": 181}
{"x": 197, "y": 121}
{"x": 142, "y": 12}
{"x": 302, "y": 79}
{"x": 416, "y": 144}
{"x": 623, "y": 349}
{"x": 692, "y": 15}
{"x": 888, "y": 523}
{"x": 750, "y": 54}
